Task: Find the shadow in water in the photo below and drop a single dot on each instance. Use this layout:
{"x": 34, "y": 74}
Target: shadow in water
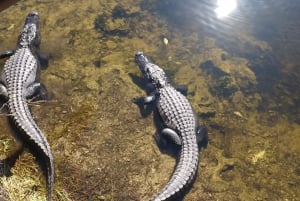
{"x": 4, "y": 4}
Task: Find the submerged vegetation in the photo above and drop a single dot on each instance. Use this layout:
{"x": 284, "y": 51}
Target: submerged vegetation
{"x": 102, "y": 147}
{"x": 223, "y": 87}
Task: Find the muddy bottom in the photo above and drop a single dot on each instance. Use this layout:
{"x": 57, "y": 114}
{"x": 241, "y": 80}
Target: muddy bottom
{"x": 104, "y": 149}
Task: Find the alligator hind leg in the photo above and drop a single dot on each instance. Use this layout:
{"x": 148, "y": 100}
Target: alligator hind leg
{"x": 201, "y": 134}
{"x": 168, "y": 141}
{"x": 36, "y": 91}
{"x": 166, "y": 137}
{"x": 171, "y": 135}
{"x": 3, "y": 91}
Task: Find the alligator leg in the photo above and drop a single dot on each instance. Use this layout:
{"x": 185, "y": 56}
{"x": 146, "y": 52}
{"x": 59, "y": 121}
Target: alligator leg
{"x": 3, "y": 91}
{"x": 8, "y": 53}
{"x": 182, "y": 89}
{"x": 167, "y": 140}
{"x": 44, "y": 60}
{"x": 171, "y": 135}
{"x": 201, "y": 134}
{"x": 36, "y": 91}
{"x": 145, "y": 101}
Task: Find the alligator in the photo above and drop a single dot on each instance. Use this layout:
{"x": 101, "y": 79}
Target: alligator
{"x": 20, "y": 82}
{"x": 179, "y": 125}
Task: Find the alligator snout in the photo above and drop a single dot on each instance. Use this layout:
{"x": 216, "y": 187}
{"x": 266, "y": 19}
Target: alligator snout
{"x": 141, "y": 59}
{"x": 32, "y": 18}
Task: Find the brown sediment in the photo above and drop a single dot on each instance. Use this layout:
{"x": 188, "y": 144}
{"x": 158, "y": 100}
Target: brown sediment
{"x": 105, "y": 151}
{"x": 6, "y": 3}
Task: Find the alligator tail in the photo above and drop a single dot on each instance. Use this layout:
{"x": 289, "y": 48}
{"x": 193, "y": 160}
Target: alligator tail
{"x": 33, "y": 138}
{"x": 183, "y": 174}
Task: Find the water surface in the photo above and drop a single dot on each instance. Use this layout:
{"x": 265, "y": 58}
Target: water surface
{"x": 242, "y": 73}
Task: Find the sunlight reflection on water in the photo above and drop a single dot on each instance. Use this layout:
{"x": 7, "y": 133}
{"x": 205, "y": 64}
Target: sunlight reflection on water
{"x": 225, "y": 7}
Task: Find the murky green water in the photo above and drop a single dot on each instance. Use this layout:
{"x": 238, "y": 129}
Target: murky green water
{"x": 242, "y": 74}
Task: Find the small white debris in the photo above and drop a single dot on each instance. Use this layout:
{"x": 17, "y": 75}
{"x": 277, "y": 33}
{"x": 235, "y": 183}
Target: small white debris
{"x": 238, "y": 114}
{"x": 10, "y": 27}
{"x": 165, "y": 41}
{"x": 258, "y": 156}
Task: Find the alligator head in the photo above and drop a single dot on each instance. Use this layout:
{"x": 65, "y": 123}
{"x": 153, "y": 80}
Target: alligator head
{"x": 29, "y": 36}
{"x": 152, "y": 72}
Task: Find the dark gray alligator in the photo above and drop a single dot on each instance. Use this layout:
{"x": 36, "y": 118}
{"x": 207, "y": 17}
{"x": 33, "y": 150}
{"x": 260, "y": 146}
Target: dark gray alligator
{"x": 19, "y": 81}
{"x": 179, "y": 124}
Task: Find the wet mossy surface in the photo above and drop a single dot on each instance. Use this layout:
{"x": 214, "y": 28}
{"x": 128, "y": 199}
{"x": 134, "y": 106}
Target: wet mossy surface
{"x": 104, "y": 149}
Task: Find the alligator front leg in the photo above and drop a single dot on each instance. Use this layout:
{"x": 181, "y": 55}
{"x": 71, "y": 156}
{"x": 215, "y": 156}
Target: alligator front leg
{"x": 43, "y": 59}
{"x": 36, "y": 91}
{"x": 145, "y": 101}
{"x": 8, "y": 53}
{"x": 182, "y": 89}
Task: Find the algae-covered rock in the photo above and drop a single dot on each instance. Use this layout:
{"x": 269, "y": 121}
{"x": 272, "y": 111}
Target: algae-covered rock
{"x": 117, "y": 23}
{"x": 111, "y": 26}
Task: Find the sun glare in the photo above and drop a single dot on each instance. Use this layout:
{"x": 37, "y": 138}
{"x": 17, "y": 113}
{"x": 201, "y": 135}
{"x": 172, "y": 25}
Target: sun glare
{"x": 225, "y": 7}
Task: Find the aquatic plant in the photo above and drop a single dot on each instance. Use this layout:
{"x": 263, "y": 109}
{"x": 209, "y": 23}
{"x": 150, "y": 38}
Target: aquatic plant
{"x": 223, "y": 87}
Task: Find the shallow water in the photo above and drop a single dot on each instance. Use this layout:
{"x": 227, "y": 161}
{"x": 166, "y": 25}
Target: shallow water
{"x": 242, "y": 75}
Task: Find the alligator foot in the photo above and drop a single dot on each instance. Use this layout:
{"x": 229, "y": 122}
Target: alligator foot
{"x": 145, "y": 100}
{"x": 201, "y": 134}
{"x": 36, "y": 91}
{"x": 145, "y": 108}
